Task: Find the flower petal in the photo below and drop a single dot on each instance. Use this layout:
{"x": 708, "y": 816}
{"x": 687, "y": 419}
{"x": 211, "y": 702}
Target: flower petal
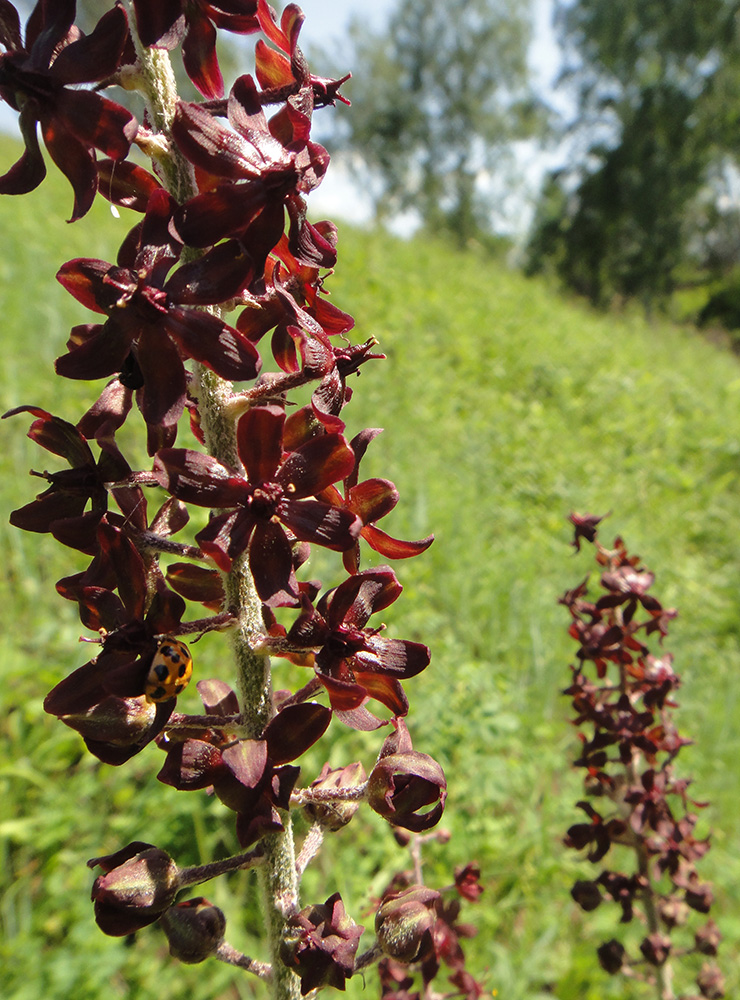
{"x": 313, "y": 521}
{"x": 259, "y": 441}
{"x": 318, "y": 463}
{"x": 220, "y": 347}
{"x": 271, "y": 563}
{"x": 199, "y": 55}
{"x": 197, "y": 478}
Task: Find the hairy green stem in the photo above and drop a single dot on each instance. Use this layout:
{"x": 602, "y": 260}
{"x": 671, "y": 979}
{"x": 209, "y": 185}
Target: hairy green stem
{"x": 277, "y": 875}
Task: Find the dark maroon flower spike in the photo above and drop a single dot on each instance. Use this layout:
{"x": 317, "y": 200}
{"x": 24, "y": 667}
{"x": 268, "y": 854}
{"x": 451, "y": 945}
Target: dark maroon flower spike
{"x": 192, "y": 23}
{"x": 150, "y": 328}
{"x": 623, "y": 696}
{"x": 62, "y": 509}
{"x": 320, "y": 945}
{"x": 272, "y": 497}
{"x": 371, "y": 500}
{"x": 39, "y": 79}
{"x": 352, "y": 662}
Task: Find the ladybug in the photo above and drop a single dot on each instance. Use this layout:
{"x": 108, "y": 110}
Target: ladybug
{"x": 171, "y": 669}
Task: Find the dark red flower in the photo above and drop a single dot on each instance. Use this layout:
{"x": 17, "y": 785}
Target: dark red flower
{"x": 149, "y": 331}
{"x": 259, "y": 169}
{"x": 320, "y": 945}
{"x": 283, "y": 68}
{"x": 132, "y": 623}
{"x": 275, "y": 490}
{"x": 585, "y": 525}
{"x": 39, "y": 79}
{"x": 467, "y": 882}
{"x": 355, "y": 663}
{"x": 62, "y": 509}
{"x": 251, "y": 777}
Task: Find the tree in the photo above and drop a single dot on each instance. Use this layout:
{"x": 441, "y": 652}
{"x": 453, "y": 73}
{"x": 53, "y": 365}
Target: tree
{"x": 438, "y": 97}
{"x": 647, "y": 80}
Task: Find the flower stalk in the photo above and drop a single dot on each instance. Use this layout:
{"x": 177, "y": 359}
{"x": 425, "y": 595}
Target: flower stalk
{"x": 623, "y": 697}
{"x": 223, "y": 225}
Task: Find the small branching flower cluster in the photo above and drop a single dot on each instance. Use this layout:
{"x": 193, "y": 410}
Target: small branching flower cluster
{"x": 623, "y": 697}
{"x": 222, "y": 227}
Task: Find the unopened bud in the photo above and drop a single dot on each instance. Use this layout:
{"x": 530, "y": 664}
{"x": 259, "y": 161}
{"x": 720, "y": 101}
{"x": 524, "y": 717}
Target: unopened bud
{"x": 707, "y": 938}
{"x": 404, "y": 922}
{"x": 402, "y": 784}
{"x": 656, "y": 948}
{"x": 711, "y": 982}
{"x": 117, "y": 721}
{"x": 337, "y": 813}
{"x": 673, "y": 912}
{"x": 194, "y": 928}
{"x": 611, "y": 956}
{"x": 140, "y": 883}
{"x": 587, "y": 895}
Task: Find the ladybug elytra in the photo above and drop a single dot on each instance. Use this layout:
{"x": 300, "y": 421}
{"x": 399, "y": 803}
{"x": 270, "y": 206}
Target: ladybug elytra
{"x": 171, "y": 669}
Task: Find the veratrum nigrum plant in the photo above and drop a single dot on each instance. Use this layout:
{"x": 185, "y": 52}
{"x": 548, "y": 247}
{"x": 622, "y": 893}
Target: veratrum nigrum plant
{"x": 223, "y": 230}
{"x": 639, "y": 819}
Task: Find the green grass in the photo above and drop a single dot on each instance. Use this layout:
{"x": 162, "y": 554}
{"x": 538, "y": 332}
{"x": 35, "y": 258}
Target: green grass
{"x": 505, "y": 406}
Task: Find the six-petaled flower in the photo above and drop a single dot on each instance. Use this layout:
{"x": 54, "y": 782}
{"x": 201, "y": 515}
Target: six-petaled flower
{"x": 273, "y": 495}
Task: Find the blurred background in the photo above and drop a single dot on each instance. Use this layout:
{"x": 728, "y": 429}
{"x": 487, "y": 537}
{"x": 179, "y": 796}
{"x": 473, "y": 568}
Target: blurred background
{"x": 538, "y": 219}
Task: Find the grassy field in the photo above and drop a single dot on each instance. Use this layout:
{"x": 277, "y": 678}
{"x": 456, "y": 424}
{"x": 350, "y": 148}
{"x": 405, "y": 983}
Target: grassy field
{"x": 505, "y": 407}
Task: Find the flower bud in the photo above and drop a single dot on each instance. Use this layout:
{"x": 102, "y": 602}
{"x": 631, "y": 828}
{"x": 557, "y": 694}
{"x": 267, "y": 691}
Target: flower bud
{"x": 404, "y": 922}
{"x": 587, "y": 895}
{"x": 194, "y": 928}
{"x": 611, "y": 956}
{"x": 401, "y": 784}
{"x": 337, "y": 813}
{"x": 673, "y": 912}
{"x": 656, "y": 948}
{"x": 140, "y": 883}
{"x": 711, "y": 982}
{"x": 700, "y": 897}
{"x": 707, "y": 938}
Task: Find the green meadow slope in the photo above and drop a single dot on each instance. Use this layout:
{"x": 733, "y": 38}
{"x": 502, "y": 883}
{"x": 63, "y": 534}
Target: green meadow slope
{"x": 505, "y": 407}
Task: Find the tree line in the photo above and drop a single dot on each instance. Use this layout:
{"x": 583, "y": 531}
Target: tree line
{"x": 643, "y": 201}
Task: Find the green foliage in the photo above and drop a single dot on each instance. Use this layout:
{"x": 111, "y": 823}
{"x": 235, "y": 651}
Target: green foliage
{"x": 651, "y": 85}
{"x": 507, "y": 407}
{"x": 436, "y": 98}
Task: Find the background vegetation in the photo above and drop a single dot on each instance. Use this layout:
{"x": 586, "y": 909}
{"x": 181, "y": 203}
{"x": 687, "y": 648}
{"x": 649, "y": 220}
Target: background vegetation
{"x": 506, "y": 406}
